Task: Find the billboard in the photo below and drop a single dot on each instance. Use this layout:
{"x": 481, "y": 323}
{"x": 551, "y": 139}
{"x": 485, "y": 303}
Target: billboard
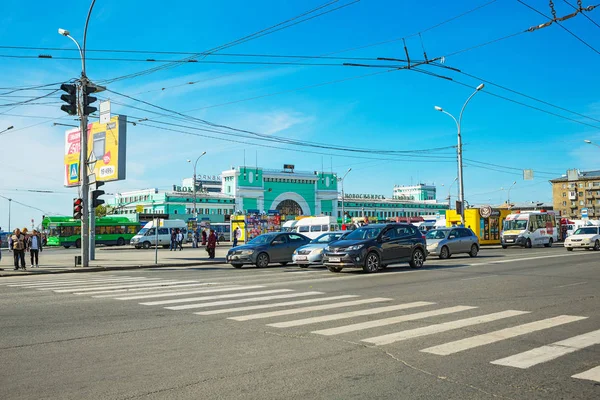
{"x": 107, "y": 145}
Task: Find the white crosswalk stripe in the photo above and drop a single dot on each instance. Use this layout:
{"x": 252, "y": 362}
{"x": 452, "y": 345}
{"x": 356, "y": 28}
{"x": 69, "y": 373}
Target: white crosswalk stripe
{"x": 221, "y": 296}
{"x": 590, "y": 375}
{"x": 503, "y": 334}
{"x": 244, "y": 300}
{"x": 444, "y": 327}
{"x": 118, "y": 286}
{"x": 550, "y": 352}
{"x": 81, "y": 282}
{"x": 227, "y": 288}
{"x": 121, "y": 292}
{"x": 309, "y": 309}
{"x": 274, "y": 305}
{"x": 351, "y": 314}
{"x": 391, "y": 321}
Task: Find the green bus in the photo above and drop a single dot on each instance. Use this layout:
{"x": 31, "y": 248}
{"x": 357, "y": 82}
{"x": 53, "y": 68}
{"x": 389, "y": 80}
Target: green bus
{"x": 66, "y": 231}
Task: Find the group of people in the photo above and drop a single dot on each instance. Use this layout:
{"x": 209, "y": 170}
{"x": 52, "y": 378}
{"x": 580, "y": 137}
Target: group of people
{"x": 176, "y": 240}
{"x": 23, "y": 241}
{"x": 210, "y": 240}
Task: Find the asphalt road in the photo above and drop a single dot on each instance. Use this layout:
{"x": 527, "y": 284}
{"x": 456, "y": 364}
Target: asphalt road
{"x": 515, "y": 324}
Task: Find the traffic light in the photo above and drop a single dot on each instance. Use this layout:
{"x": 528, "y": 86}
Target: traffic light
{"x": 97, "y": 193}
{"x": 77, "y": 208}
{"x": 87, "y": 100}
{"x": 71, "y": 98}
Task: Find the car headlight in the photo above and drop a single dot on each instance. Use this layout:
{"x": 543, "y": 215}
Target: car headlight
{"x": 327, "y": 248}
{"x": 355, "y": 247}
{"x": 246, "y": 252}
{"x": 317, "y": 251}
{"x": 295, "y": 252}
{"x": 586, "y": 240}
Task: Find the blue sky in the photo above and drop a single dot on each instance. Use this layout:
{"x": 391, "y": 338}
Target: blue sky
{"x": 390, "y": 111}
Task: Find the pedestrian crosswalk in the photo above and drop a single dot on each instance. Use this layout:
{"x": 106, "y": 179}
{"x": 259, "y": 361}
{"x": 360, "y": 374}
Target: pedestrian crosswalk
{"x": 372, "y": 321}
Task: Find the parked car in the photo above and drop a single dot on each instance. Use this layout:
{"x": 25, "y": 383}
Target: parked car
{"x": 448, "y": 241}
{"x": 312, "y": 253}
{"x": 587, "y": 237}
{"x": 375, "y": 246}
{"x": 267, "y": 248}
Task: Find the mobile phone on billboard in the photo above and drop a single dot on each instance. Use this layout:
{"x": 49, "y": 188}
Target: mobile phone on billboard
{"x": 99, "y": 145}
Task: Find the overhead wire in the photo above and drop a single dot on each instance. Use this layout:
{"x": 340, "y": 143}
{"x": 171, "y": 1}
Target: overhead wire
{"x": 584, "y": 14}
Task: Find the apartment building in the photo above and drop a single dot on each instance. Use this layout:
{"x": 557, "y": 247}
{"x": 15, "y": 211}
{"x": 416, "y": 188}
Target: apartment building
{"x": 571, "y": 196}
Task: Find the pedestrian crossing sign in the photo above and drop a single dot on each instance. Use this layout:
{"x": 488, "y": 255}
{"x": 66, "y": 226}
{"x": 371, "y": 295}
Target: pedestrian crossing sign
{"x": 74, "y": 173}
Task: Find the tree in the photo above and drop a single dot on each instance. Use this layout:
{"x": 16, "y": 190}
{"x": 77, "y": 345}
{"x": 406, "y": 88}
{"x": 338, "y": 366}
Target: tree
{"x": 101, "y": 211}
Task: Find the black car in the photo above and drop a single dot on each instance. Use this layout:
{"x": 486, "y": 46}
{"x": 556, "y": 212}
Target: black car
{"x": 267, "y": 248}
{"x": 373, "y": 247}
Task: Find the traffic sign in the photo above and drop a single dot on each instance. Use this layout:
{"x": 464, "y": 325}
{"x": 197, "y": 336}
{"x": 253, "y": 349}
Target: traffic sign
{"x": 584, "y": 213}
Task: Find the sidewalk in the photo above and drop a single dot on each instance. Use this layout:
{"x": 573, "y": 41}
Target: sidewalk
{"x": 112, "y": 258}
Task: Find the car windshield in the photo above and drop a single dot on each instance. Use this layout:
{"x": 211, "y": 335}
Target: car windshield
{"x": 586, "y": 231}
{"x": 143, "y": 231}
{"x": 515, "y": 225}
{"x": 435, "y": 234}
{"x": 327, "y": 238}
{"x": 363, "y": 233}
{"x": 262, "y": 239}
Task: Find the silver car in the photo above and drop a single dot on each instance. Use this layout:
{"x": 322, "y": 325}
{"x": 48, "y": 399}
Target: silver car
{"x": 312, "y": 253}
{"x": 448, "y": 241}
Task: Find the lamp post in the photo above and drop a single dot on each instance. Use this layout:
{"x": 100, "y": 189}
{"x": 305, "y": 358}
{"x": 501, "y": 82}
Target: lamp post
{"x": 449, "y": 193}
{"x": 508, "y": 196}
{"x": 194, "y": 183}
{"x": 9, "y": 203}
{"x": 586, "y": 140}
{"x": 7, "y": 129}
{"x": 461, "y": 192}
{"x": 342, "y": 180}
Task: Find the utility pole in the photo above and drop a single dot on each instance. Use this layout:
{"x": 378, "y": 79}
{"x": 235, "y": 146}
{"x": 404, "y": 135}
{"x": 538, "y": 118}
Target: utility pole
{"x": 9, "y": 203}
{"x": 342, "y": 180}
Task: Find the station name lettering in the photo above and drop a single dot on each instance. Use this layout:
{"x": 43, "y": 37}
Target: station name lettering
{"x": 364, "y": 196}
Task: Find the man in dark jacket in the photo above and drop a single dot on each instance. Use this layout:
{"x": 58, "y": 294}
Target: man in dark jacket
{"x": 212, "y": 244}
{"x": 34, "y": 246}
{"x": 18, "y": 246}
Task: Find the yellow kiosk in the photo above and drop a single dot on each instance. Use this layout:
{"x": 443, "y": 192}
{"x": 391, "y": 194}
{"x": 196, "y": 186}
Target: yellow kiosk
{"x": 485, "y": 221}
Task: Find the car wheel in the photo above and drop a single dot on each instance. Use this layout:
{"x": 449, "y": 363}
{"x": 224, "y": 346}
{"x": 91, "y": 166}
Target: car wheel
{"x": 236, "y": 265}
{"x": 504, "y": 247}
{"x": 262, "y": 260}
{"x": 283, "y": 263}
{"x": 146, "y": 245}
{"x": 120, "y": 242}
{"x": 417, "y": 259}
{"x": 444, "y": 253}
{"x": 474, "y": 251}
{"x": 66, "y": 247}
{"x": 371, "y": 263}
{"x": 550, "y": 242}
{"x": 569, "y": 249}
{"x": 528, "y": 244}
{"x": 335, "y": 269}
{"x": 78, "y": 243}
{"x": 597, "y": 245}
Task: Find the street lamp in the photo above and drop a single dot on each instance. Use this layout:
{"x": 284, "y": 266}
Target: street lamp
{"x": 342, "y": 180}
{"x": 7, "y": 129}
{"x": 450, "y": 191}
{"x": 461, "y": 192}
{"x": 586, "y": 140}
{"x": 85, "y": 183}
{"x": 508, "y": 197}
{"x": 194, "y": 183}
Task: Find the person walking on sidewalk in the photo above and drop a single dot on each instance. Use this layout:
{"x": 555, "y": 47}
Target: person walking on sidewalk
{"x": 34, "y": 246}
{"x": 179, "y": 240}
{"x": 18, "y": 246}
{"x": 195, "y": 238}
{"x": 204, "y": 236}
{"x": 173, "y": 240}
{"x": 236, "y": 235}
{"x": 212, "y": 244}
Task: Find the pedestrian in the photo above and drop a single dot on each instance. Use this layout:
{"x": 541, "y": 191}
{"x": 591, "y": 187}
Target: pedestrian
{"x": 180, "y": 239}
{"x": 212, "y": 244}
{"x": 236, "y": 235}
{"x": 173, "y": 240}
{"x": 195, "y": 238}
{"x": 204, "y": 237}
{"x": 18, "y": 247}
{"x": 34, "y": 246}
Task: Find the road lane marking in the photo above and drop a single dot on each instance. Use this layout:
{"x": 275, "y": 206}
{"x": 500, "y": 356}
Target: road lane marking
{"x": 275, "y": 305}
{"x": 309, "y": 309}
{"x": 591, "y": 375}
{"x": 171, "y": 293}
{"x": 550, "y": 352}
{"x": 391, "y": 321}
{"x": 528, "y": 259}
{"x": 351, "y": 314}
{"x": 79, "y": 282}
{"x": 244, "y": 300}
{"x": 477, "y": 277}
{"x": 121, "y": 292}
{"x": 443, "y": 327}
{"x": 220, "y": 296}
{"x": 503, "y": 334}
{"x": 571, "y": 284}
{"x": 117, "y": 286}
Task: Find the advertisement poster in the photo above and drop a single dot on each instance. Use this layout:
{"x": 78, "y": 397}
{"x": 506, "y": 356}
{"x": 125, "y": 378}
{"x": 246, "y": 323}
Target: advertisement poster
{"x": 107, "y": 145}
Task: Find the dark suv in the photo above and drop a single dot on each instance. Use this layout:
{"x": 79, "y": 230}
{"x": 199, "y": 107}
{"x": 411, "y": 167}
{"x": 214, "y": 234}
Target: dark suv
{"x": 373, "y": 247}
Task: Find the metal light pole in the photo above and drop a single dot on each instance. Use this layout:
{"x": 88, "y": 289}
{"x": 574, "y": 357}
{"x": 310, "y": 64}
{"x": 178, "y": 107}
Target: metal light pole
{"x": 9, "y": 203}
{"x": 194, "y": 183}
{"x": 508, "y": 196}
{"x": 449, "y": 193}
{"x": 342, "y": 180}
{"x": 461, "y": 192}
{"x": 83, "y": 167}
{"x": 586, "y": 140}
{"x": 7, "y": 129}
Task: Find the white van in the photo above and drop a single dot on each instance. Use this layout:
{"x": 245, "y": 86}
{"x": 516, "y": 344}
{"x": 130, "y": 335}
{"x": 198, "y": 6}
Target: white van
{"x": 313, "y": 227}
{"x": 146, "y": 237}
{"x": 528, "y": 229}
{"x": 289, "y": 226}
